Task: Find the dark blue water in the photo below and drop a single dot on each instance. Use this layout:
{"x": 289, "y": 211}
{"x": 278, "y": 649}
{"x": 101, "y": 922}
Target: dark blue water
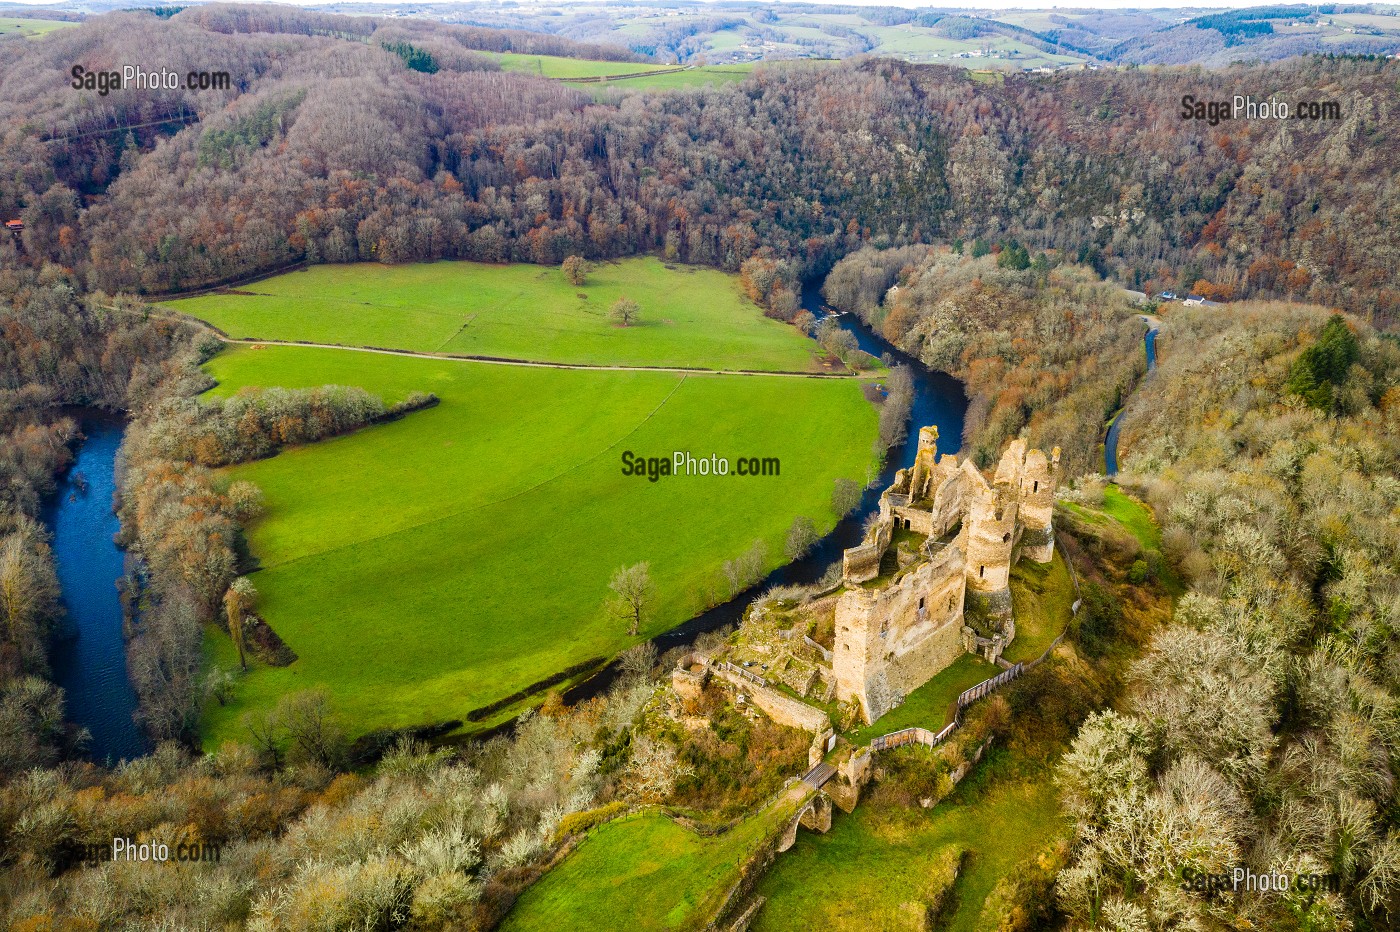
{"x": 89, "y": 661}
{"x": 938, "y": 399}
{"x": 1110, "y": 441}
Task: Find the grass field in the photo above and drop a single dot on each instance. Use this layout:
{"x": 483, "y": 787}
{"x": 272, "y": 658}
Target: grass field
{"x": 1041, "y": 597}
{"x": 432, "y": 565}
{"x": 17, "y": 26}
{"x": 928, "y": 706}
{"x": 879, "y": 858}
{"x": 1133, "y": 515}
{"x": 690, "y": 316}
{"x": 703, "y": 76}
{"x": 642, "y": 873}
{"x": 552, "y": 66}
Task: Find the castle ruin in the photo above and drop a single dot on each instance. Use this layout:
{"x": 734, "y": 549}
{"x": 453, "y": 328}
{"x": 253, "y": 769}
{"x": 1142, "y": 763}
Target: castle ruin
{"x": 932, "y": 578}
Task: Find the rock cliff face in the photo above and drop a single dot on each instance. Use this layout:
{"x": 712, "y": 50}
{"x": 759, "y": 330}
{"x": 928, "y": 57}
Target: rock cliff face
{"x": 901, "y": 622}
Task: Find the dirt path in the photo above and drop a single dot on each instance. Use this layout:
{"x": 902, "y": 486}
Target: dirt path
{"x": 539, "y": 364}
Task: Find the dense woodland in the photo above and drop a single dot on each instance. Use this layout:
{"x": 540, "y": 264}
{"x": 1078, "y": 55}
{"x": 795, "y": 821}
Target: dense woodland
{"x": 1046, "y": 353}
{"x": 1261, "y": 726}
{"x": 331, "y": 147}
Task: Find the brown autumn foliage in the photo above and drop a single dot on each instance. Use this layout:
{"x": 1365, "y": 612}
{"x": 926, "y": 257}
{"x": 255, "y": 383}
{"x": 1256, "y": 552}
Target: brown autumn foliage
{"x": 330, "y": 148}
{"x": 1045, "y": 353}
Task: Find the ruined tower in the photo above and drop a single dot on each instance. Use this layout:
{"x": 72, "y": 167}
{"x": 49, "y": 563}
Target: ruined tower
{"x": 991, "y": 537}
{"x": 1039, "y": 479}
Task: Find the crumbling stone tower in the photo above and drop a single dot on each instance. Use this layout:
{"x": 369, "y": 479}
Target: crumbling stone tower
{"x": 1039, "y": 478}
{"x": 991, "y": 538}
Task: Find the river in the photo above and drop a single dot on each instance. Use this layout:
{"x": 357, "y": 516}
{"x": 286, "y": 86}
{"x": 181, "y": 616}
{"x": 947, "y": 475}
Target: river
{"x": 89, "y": 657}
{"x": 938, "y": 399}
{"x": 1110, "y": 440}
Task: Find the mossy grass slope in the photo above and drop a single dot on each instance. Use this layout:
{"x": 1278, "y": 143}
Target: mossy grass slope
{"x": 643, "y": 872}
{"x": 930, "y": 706}
{"x": 1042, "y": 595}
{"x": 872, "y": 870}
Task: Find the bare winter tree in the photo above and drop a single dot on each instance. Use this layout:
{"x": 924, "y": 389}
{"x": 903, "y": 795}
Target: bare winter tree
{"x": 626, "y": 312}
{"x": 633, "y": 594}
{"x": 310, "y": 723}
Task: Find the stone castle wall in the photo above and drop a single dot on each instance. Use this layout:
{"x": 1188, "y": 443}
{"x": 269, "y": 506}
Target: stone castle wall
{"x": 892, "y": 640}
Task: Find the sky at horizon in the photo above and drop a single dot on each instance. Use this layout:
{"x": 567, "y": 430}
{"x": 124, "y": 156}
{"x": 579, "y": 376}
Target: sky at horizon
{"x": 998, "y": 5}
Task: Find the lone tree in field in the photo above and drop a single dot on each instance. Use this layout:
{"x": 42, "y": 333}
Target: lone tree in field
{"x": 238, "y": 602}
{"x": 633, "y": 594}
{"x": 575, "y": 269}
{"x": 626, "y": 312}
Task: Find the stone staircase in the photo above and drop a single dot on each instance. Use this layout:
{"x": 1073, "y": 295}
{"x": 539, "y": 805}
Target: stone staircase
{"x": 889, "y": 561}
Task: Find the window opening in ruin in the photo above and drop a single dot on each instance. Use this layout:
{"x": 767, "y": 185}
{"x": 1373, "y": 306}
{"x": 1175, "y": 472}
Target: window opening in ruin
{"x": 981, "y": 572}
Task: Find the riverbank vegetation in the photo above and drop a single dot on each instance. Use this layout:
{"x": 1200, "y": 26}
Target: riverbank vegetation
{"x": 57, "y": 349}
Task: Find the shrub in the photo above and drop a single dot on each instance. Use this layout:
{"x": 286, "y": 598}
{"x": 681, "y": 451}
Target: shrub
{"x": 1099, "y": 619}
{"x": 576, "y": 823}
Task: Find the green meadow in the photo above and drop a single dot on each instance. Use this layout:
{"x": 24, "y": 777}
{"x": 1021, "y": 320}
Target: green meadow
{"x": 20, "y": 26}
{"x": 702, "y": 76}
{"x": 432, "y": 565}
{"x": 690, "y": 316}
{"x": 657, "y": 874}
{"x": 552, "y": 66}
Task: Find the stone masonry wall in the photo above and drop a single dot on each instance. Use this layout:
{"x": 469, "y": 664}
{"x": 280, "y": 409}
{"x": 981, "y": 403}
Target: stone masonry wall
{"x": 893, "y": 640}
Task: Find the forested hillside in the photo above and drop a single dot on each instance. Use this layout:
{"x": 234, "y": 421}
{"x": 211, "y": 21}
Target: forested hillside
{"x": 330, "y": 147}
{"x": 1260, "y": 728}
{"x": 1046, "y": 353}
{"x": 1262, "y": 722}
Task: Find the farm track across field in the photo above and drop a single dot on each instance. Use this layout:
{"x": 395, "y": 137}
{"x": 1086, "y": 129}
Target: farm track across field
{"x": 529, "y": 363}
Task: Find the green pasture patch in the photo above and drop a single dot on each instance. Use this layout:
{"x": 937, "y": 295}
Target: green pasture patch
{"x": 642, "y": 872}
{"x": 427, "y": 567}
{"x": 29, "y": 28}
{"x": 690, "y": 316}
